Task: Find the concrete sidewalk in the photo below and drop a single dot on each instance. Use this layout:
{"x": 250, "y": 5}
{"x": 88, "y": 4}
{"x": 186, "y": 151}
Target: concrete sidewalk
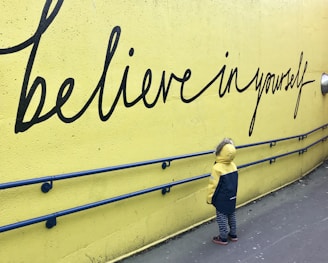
{"x": 288, "y": 226}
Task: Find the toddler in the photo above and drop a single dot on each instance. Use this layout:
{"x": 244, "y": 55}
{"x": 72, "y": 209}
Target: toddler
{"x": 222, "y": 191}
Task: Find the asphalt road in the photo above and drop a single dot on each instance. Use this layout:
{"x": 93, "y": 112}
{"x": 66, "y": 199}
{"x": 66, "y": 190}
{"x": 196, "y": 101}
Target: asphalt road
{"x": 288, "y": 226}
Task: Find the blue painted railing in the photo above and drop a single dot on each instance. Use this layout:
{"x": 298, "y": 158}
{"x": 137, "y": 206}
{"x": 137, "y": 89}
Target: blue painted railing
{"x": 51, "y": 219}
{"x": 47, "y": 186}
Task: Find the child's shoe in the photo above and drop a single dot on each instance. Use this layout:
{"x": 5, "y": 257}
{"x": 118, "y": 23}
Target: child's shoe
{"x": 218, "y": 240}
{"x": 233, "y": 238}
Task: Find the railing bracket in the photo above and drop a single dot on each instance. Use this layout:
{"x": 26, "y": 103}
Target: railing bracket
{"x": 166, "y": 164}
{"x": 166, "y": 190}
{"x": 46, "y": 187}
{"x": 51, "y": 222}
{"x": 302, "y": 151}
{"x": 302, "y": 137}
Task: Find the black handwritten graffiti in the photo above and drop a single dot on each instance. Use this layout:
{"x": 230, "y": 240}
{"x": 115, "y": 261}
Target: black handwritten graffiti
{"x": 271, "y": 82}
{"x": 268, "y": 83}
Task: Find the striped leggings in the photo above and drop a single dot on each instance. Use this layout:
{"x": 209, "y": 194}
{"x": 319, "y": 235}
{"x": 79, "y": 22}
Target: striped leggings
{"x": 224, "y": 221}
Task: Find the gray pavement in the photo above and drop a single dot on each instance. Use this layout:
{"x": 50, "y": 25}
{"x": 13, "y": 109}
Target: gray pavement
{"x": 288, "y": 226}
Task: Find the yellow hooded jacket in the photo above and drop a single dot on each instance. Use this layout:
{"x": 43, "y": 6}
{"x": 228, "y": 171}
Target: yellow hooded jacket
{"x": 224, "y": 165}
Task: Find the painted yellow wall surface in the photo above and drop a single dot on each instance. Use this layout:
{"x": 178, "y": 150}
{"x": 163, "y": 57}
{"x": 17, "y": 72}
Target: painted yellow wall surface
{"x": 91, "y": 84}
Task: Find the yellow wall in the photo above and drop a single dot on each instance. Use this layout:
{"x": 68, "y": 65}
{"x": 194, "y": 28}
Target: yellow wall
{"x": 117, "y": 56}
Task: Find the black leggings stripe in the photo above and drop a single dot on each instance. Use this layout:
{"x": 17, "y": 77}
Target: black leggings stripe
{"x": 226, "y": 221}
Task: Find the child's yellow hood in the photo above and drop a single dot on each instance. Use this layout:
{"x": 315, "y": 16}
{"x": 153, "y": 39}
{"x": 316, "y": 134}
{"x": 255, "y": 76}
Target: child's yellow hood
{"x": 227, "y": 154}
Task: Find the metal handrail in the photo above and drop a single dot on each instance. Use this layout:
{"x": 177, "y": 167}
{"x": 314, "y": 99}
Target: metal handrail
{"x": 48, "y": 180}
{"x": 51, "y": 219}
{"x": 274, "y": 141}
{"x": 272, "y": 159}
